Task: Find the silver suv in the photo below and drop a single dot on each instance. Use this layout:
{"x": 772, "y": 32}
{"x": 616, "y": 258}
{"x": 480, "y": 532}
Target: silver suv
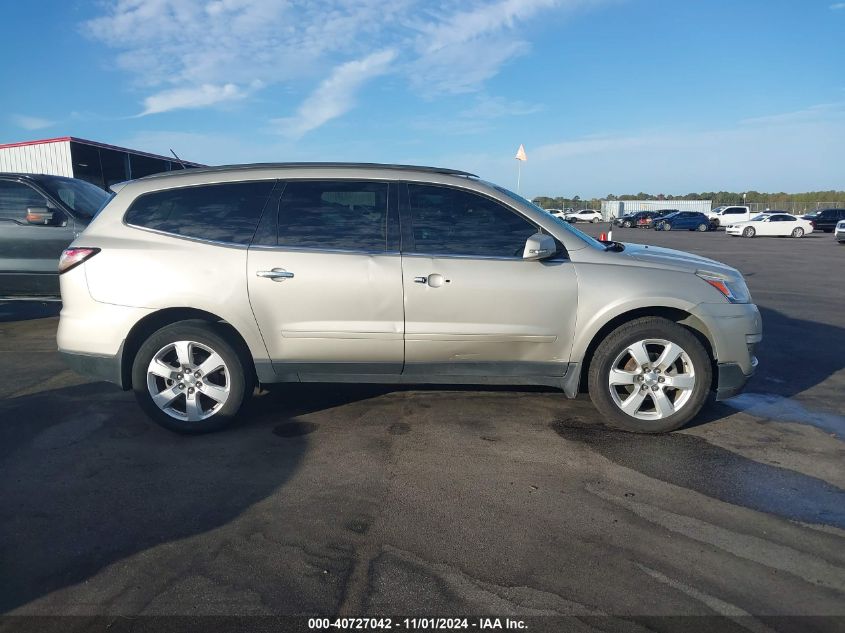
{"x": 192, "y": 287}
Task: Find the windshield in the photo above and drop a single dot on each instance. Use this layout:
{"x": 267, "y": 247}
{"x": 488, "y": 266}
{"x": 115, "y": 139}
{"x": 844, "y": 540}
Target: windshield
{"x": 558, "y": 219}
{"x": 83, "y": 198}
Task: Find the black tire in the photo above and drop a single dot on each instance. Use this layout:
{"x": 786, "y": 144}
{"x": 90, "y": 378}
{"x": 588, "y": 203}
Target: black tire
{"x": 703, "y": 227}
{"x": 749, "y": 231}
{"x": 239, "y": 376}
{"x": 594, "y": 220}
{"x": 665, "y": 226}
{"x": 797, "y": 232}
{"x": 627, "y": 224}
{"x": 623, "y": 337}
{"x": 714, "y": 223}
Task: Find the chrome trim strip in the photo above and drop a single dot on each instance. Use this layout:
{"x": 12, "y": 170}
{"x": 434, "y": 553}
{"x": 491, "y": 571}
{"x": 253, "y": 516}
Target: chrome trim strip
{"x": 308, "y": 249}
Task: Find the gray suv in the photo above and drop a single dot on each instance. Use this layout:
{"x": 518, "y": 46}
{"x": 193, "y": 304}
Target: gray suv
{"x": 191, "y": 287}
{"x": 39, "y": 216}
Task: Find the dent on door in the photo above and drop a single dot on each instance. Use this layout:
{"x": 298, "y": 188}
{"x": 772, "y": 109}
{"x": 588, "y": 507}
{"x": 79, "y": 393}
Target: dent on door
{"x": 506, "y": 316}
{"x": 336, "y": 313}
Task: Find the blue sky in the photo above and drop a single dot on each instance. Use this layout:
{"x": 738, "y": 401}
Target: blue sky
{"x": 608, "y": 96}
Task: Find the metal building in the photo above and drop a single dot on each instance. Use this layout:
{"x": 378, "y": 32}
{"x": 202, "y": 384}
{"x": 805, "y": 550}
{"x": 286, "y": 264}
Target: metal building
{"x": 98, "y": 163}
{"x": 618, "y": 208}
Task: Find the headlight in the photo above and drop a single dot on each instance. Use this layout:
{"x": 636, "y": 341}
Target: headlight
{"x": 733, "y": 288}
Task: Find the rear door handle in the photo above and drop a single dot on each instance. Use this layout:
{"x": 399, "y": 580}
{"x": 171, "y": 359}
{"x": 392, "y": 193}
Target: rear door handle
{"x": 277, "y": 274}
{"x": 435, "y": 280}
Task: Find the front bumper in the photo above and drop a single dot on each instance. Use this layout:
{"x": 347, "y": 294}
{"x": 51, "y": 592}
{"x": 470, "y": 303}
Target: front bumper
{"x": 735, "y": 330}
{"x": 731, "y": 379}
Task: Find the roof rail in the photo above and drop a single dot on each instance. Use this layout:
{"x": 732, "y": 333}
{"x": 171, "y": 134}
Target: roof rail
{"x": 256, "y": 166}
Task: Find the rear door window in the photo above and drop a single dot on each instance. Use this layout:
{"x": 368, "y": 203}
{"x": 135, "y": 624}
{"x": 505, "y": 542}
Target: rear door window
{"x": 226, "y": 212}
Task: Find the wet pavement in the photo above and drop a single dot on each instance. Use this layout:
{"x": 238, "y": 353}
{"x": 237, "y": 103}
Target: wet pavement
{"x": 375, "y": 500}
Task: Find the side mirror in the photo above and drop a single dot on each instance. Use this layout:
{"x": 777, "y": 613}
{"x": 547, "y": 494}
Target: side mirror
{"x": 40, "y": 215}
{"x": 539, "y": 246}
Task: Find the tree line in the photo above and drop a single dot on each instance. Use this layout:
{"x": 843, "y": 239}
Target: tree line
{"x": 718, "y": 197}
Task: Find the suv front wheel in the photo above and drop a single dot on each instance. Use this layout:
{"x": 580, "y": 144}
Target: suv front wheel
{"x": 189, "y": 378}
{"x": 650, "y": 375}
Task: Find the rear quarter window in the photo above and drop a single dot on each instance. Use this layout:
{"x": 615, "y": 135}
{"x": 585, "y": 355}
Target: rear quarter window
{"x": 222, "y": 212}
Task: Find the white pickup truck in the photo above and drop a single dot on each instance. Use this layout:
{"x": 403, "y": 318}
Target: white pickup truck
{"x": 722, "y": 216}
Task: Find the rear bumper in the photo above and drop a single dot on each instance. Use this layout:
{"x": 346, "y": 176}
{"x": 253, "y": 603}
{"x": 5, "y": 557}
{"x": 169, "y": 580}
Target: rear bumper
{"x": 105, "y": 368}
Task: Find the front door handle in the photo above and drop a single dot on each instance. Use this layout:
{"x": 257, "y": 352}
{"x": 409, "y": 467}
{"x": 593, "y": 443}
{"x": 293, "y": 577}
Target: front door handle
{"x": 277, "y": 274}
{"x": 421, "y": 280}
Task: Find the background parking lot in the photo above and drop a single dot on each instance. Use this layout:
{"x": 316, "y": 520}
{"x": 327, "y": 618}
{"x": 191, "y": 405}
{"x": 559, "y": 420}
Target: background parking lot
{"x": 333, "y": 499}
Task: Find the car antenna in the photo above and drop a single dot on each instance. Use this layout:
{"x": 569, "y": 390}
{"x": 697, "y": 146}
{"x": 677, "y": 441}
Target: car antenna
{"x": 177, "y": 158}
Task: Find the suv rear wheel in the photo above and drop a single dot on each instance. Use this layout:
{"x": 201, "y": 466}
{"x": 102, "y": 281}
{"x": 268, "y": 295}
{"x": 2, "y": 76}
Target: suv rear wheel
{"x": 650, "y": 375}
{"x": 190, "y": 379}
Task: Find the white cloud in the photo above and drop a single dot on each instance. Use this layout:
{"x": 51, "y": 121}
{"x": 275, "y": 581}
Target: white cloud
{"x": 487, "y": 107}
{"x": 195, "y": 53}
{"x": 482, "y": 117}
{"x": 199, "y": 97}
{"x": 335, "y": 95}
{"x": 462, "y": 49}
{"x": 31, "y": 122}
{"x": 837, "y": 6}
{"x": 822, "y": 110}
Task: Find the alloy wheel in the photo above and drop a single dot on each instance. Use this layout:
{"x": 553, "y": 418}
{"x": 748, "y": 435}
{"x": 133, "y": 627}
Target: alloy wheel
{"x": 652, "y": 379}
{"x": 188, "y": 380}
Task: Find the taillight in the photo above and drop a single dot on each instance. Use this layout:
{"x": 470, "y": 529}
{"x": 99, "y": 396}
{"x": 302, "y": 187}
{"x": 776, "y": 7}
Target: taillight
{"x": 72, "y": 257}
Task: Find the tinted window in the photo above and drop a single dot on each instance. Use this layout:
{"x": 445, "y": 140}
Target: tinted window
{"x": 15, "y": 197}
{"x": 733, "y": 211}
{"x": 82, "y": 197}
{"x": 342, "y": 215}
{"x": 224, "y": 213}
{"x": 451, "y": 221}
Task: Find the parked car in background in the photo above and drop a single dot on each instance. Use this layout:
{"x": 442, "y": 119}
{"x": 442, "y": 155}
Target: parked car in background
{"x": 39, "y": 216}
{"x": 771, "y": 225}
{"x": 825, "y": 220}
{"x": 585, "y": 215}
{"x": 647, "y": 221}
{"x": 724, "y": 215}
{"x": 689, "y": 220}
{"x": 839, "y": 234}
{"x": 641, "y": 218}
{"x": 191, "y": 286}
{"x": 556, "y": 212}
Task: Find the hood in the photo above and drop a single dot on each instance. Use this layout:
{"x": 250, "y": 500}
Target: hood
{"x": 658, "y": 257}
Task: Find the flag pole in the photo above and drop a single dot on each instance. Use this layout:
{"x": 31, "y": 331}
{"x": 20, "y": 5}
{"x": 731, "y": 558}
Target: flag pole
{"x": 520, "y": 157}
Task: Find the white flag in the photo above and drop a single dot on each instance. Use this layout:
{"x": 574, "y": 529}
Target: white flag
{"x": 520, "y": 153}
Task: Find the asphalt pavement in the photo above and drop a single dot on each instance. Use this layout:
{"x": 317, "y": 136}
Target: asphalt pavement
{"x": 367, "y": 500}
